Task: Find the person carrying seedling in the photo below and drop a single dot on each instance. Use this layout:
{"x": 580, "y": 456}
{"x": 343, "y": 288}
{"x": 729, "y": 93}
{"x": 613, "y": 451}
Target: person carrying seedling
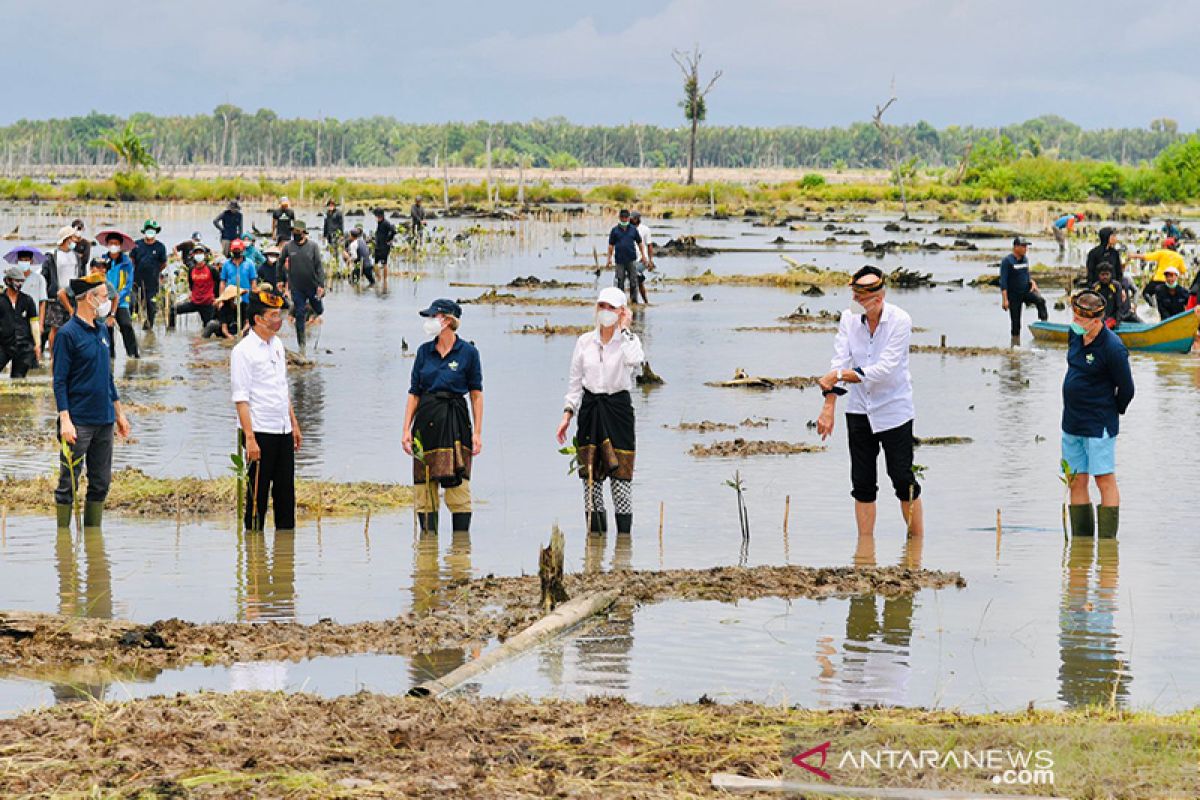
{"x": 258, "y": 376}
{"x": 87, "y": 401}
{"x": 1096, "y": 391}
{"x": 870, "y": 362}
{"x": 438, "y": 433}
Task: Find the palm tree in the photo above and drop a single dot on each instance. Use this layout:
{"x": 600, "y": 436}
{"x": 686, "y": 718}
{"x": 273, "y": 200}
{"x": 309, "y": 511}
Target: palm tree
{"x": 128, "y": 147}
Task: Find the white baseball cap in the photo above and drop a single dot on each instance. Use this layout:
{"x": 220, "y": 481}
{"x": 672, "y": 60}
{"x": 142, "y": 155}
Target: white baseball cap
{"x": 613, "y": 296}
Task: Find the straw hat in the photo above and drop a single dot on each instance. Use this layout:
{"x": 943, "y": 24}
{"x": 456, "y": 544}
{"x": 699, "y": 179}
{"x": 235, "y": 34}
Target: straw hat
{"x": 230, "y": 292}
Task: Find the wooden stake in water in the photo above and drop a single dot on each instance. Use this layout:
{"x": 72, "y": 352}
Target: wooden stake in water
{"x": 662, "y": 513}
{"x": 787, "y": 509}
{"x": 998, "y": 530}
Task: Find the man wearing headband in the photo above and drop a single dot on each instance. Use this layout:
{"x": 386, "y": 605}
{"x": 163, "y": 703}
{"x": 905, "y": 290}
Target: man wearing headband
{"x": 87, "y": 401}
{"x": 1096, "y": 391}
{"x": 258, "y": 373}
{"x": 870, "y": 362}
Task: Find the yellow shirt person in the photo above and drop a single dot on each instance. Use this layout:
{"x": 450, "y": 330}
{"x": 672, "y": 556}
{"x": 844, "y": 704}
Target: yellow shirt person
{"x": 1162, "y": 259}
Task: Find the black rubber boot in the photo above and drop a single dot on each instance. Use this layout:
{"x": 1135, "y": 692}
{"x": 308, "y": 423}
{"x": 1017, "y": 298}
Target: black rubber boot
{"x": 93, "y": 513}
{"x": 597, "y": 523}
{"x": 428, "y": 522}
{"x": 624, "y": 523}
{"x": 460, "y": 521}
{"x": 1083, "y": 520}
{"x": 1108, "y": 520}
{"x": 64, "y": 512}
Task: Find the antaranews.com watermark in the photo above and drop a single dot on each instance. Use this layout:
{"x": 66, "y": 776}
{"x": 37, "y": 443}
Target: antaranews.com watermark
{"x": 1128, "y": 760}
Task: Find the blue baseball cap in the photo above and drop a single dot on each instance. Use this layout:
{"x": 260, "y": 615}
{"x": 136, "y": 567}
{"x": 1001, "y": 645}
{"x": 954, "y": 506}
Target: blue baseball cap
{"x": 443, "y": 306}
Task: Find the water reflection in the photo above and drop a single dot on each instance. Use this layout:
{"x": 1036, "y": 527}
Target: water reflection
{"x": 266, "y": 576}
{"x": 1094, "y": 669}
{"x": 308, "y": 399}
{"x": 427, "y": 582}
{"x": 84, "y": 590}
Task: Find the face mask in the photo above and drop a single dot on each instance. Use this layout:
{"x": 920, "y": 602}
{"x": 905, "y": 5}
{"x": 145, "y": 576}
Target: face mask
{"x": 298, "y": 237}
{"x": 1077, "y": 328}
{"x": 274, "y": 325}
{"x": 857, "y": 308}
{"x": 199, "y": 257}
{"x": 432, "y": 327}
{"x": 103, "y": 309}
{"x": 114, "y": 249}
{"x": 271, "y": 260}
{"x": 606, "y": 318}
{"x": 623, "y": 223}
{"x": 25, "y": 266}
{"x": 149, "y": 235}
{"x": 1172, "y": 284}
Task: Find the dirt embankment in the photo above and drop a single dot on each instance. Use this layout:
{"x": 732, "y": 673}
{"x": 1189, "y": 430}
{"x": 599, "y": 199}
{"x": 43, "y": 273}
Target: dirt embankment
{"x": 469, "y": 613}
{"x": 259, "y": 744}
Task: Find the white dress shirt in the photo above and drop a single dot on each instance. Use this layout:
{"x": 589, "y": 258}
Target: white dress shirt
{"x": 258, "y": 373}
{"x": 603, "y": 368}
{"x": 884, "y": 391}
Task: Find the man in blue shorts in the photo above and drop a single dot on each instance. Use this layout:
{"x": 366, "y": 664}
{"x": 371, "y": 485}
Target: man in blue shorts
{"x": 1096, "y": 391}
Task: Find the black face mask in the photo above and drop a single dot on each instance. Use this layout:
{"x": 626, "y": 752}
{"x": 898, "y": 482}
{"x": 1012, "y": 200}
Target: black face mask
{"x": 298, "y": 237}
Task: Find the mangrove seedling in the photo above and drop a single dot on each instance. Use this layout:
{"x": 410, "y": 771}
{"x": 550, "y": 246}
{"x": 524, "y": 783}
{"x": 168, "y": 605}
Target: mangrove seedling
{"x": 918, "y": 471}
{"x": 431, "y": 490}
{"x": 571, "y": 450}
{"x": 739, "y": 486}
{"x": 237, "y": 465}
{"x": 73, "y": 465}
{"x": 1067, "y": 477}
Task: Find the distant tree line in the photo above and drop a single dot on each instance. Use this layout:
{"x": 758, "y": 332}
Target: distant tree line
{"x": 233, "y": 137}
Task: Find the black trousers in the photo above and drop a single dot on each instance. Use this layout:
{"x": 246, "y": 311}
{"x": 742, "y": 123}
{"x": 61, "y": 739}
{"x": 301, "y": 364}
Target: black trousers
{"x": 1018, "y": 300}
{"x": 125, "y": 323}
{"x": 897, "y": 445}
{"x": 21, "y": 354}
{"x": 272, "y": 477}
{"x": 146, "y": 287}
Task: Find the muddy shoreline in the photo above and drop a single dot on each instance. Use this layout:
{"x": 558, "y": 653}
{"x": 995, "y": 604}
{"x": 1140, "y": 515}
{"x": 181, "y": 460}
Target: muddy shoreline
{"x": 259, "y": 744}
{"x": 469, "y": 613}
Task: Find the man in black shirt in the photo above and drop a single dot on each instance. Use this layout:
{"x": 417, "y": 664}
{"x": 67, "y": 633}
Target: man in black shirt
{"x": 17, "y": 311}
{"x": 149, "y": 258}
{"x": 1105, "y": 253}
{"x": 229, "y": 224}
{"x": 282, "y": 221}
{"x": 385, "y": 231}
{"x": 334, "y": 228}
{"x": 1171, "y": 297}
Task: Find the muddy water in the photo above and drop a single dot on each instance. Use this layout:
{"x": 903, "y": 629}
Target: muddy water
{"x": 1036, "y": 623}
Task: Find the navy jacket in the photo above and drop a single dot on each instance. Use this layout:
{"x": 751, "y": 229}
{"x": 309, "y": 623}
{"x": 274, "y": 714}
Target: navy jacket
{"x": 625, "y": 241}
{"x": 459, "y": 372}
{"x": 83, "y": 380}
{"x": 229, "y": 223}
{"x": 1014, "y": 276}
{"x": 1098, "y": 386}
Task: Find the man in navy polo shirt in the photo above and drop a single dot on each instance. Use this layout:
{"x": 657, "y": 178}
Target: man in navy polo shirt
{"x": 87, "y": 400}
{"x": 149, "y": 258}
{"x": 625, "y": 243}
{"x": 1096, "y": 391}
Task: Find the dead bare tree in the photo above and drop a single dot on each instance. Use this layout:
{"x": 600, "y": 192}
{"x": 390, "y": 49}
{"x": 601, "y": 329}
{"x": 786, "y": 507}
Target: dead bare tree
{"x": 889, "y": 148}
{"x": 695, "y": 109}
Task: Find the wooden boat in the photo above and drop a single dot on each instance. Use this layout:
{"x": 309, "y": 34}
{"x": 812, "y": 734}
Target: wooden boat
{"x": 1172, "y": 335}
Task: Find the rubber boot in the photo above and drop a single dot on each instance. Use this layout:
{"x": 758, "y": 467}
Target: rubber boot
{"x": 624, "y": 523}
{"x": 427, "y": 522}
{"x": 598, "y": 523}
{"x": 64, "y": 511}
{"x": 460, "y": 521}
{"x": 1108, "y": 520}
{"x": 1083, "y": 520}
{"x": 93, "y": 513}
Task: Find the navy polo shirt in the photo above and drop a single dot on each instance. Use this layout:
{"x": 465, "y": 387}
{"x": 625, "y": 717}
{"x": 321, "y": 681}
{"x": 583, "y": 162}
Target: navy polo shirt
{"x": 148, "y": 258}
{"x": 83, "y": 380}
{"x": 1098, "y": 386}
{"x": 459, "y": 372}
{"x": 625, "y": 241}
{"x": 1014, "y": 274}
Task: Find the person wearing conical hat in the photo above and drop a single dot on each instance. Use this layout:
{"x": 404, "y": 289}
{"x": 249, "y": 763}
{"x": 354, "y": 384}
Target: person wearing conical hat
{"x": 89, "y": 406}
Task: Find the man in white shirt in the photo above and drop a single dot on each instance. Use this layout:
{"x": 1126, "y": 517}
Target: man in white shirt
{"x": 871, "y": 358}
{"x": 258, "y": 374}
{"x": 647, "y": 261}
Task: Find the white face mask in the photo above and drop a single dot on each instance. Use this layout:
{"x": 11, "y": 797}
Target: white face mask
{"x": 114, "y": 249}
{"x": 606, "y": 318}
{"x": 857, "y": 308}
{"x": 199, "y": 257}
{"x": 104, "y": 308}
{"x": 432, "y": 326}
{"x": 149, "y": 235}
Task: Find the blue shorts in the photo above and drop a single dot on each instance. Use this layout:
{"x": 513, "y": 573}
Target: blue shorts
{"x": 1089, "y": 455}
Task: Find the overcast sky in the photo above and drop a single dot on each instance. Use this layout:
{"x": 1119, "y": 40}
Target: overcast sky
{"x": 786, "y": 62}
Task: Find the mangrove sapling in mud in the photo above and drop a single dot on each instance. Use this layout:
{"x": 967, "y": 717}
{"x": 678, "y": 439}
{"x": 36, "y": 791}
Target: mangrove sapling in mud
{"x": 1067, "y": 477}
{"x": 73, "y": 465}
{"x": 918, "y": 471}
{"x": 739, "y": 486}
{"x": 418, "y": 449}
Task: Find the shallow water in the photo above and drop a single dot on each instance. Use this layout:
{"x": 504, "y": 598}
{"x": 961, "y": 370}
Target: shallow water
{"x": 1035, "y": 623}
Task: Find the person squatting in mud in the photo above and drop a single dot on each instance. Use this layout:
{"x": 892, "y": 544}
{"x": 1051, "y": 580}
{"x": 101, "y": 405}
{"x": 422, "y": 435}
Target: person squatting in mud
{"x": 438, "y": 433}
{"x": 870, "y": 363}
{"x": 597, "y": 396}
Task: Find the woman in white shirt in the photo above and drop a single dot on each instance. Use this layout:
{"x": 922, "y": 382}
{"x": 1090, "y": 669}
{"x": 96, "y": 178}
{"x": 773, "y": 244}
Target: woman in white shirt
{"x": 598, "y": 396}
{"x": 871, "y": 358}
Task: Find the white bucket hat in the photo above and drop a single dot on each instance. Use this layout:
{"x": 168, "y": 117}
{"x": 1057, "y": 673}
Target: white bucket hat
{"x": 613, "y": 296}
